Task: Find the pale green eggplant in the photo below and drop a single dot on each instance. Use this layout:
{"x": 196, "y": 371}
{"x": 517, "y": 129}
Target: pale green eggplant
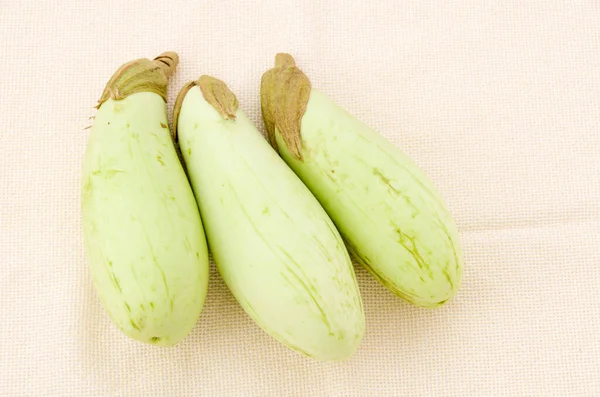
{"x": 273, "y": 244}
{"x": 390, "y": 214}
{"x": 143, "y": 235}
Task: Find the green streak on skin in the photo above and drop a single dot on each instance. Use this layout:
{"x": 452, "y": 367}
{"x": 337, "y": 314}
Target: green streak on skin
{"x": 311, "y": 290}
{"x": 403, "y": 237}
{"x": 380, "y": 277}
{"x": 134, "y": 273}
{"x": 382, "y": 177}
{"x": 107, "y": 174}
{"x": 134, "y": 325}
{"x": 310, "y": 293}
{"x": 404, "y": 240}
{"x": 115, "y": 281}
{"x": 443, "y": 227}
{"x": 258, "y": 233}
{"x": 431, "y": 194}
{"x": 448, "y": 278}
{"x": 160, "y": 269}
{"x": 187, "y": 244}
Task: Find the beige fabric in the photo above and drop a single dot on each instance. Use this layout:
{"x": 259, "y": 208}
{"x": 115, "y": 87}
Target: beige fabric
{"x": 499, "y": 102}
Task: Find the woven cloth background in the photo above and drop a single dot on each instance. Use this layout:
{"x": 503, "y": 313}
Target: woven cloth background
{"x": 499, "y": 102}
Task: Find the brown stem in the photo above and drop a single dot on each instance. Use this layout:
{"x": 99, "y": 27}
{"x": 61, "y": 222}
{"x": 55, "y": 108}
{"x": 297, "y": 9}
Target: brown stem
{"x": 218, "y": 95}
{"x": 167, "y": 61}
{"x": 283, "y": 59}
{"x": 141, "y": 75}
{"x": 284, "y": 93}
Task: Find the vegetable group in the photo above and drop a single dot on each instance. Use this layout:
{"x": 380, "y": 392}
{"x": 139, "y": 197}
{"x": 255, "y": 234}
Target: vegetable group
{"x": 271, "y": 213}
{"x": 272, "y": 242}
{"x": 143, "y": 235}
{"x": 389, "y": 213}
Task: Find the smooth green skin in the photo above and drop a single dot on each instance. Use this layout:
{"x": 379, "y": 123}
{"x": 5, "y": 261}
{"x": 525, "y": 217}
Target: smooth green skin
{"x": 273, "y": 244}
{"x": 143, "y": 235}
{"x": 389, "y": 213}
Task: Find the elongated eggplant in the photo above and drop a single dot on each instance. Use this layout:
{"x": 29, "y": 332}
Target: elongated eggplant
{"x": 272, "y": 242}
{"x": 390, "y": 214}
{"x": 143, "y": 234}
